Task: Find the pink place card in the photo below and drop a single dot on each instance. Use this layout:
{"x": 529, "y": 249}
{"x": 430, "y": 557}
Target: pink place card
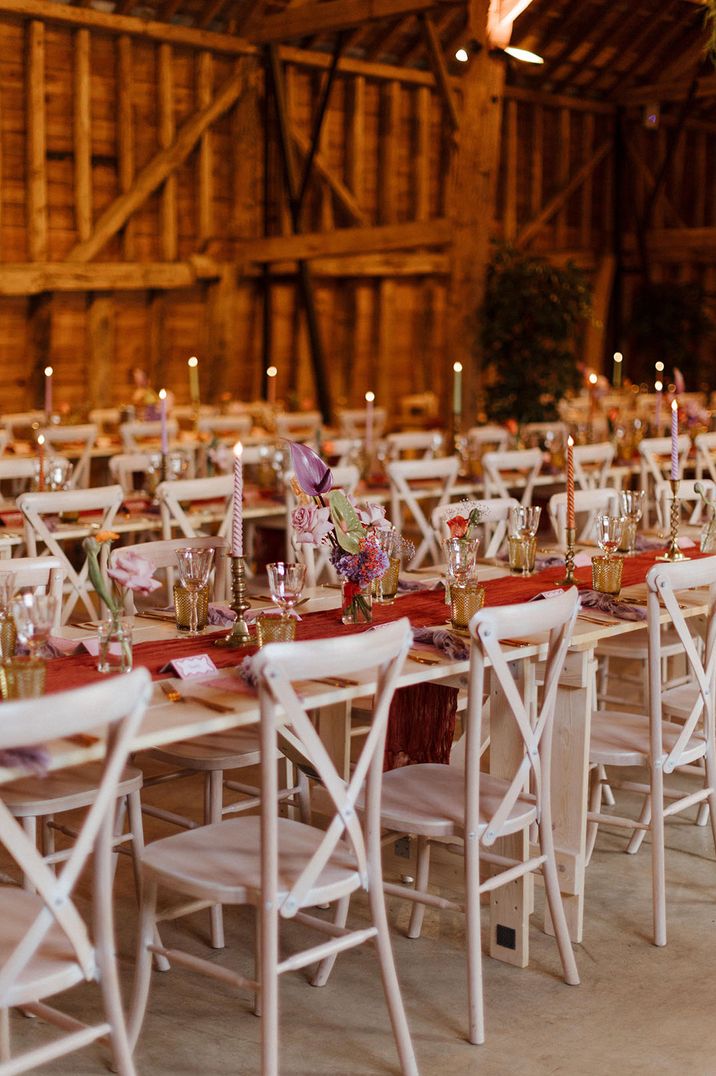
{"x": 186, "y": 668}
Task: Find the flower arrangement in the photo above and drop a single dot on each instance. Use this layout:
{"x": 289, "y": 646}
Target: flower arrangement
{"x": 463, "y": 526}
{"x": 129, "y": 570}
{"x": 708, "y": 534}
{"x": 352, "y": 531}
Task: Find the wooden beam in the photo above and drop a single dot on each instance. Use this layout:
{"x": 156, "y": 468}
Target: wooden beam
{"x": 343, "y": 195}
{"x": 510, "y": 142}
{"x": 319, "y": 17}
{"x": 673, "y": 244}
{"x": 125, "y": 131}
{"x": 595, "y": 333}
{"x": 36, "y": 143}
{"x": 648, "y": 177}
{"x": 355, "y": 136}
{"x": 33, "y": 278}
{"x": 388, "y": 145}
{"x": 668, "y": 91}
{"x": 39, "y": 346}
{"x": 440, "y": 72}
{"x": 421, "y": 150}
{"x": 212, "y": 10}
{"x": 82, "y": 135}
{"x": 100, "y": 349}
{"x": 346, "y": 241}
{"x": 158, "y": 168}
{"x": 560, "y": 198}
{"x": 205, "y": 174}
{"x": 166, "y": 131}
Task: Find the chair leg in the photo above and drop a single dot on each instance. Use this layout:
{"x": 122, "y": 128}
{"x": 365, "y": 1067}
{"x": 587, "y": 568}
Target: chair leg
{"x": 119, "y": 817}
{"x": 106, "y": 957}
{"x": 637, "y": 837}
{"x": 475, "y": 1005}
{"x": 658, "y": 872}
{"x": 47, "y": 836}
{"x": 422, "y": 876}
{"x": 304, "y": 798}
{"x": 556, "y": 908}
{"x": 213, "y": 812}
{"x": 391, "y": 986}
{"x": 602, "y": 681}
{"x": 134, "y": 805}
{"x": 143, "y": 962}
{"x": 325, "y": 967}
{"x": 29, "y": 824}
{"x": 710, "y": 764}
{"x": 607, "y": 794}
{"x": 5, "y": 1034}
{"x": 595, "y": 807}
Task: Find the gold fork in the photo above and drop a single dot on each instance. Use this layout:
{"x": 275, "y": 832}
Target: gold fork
{"x": 176, "y": 696}
{"x": 424, "y": 660}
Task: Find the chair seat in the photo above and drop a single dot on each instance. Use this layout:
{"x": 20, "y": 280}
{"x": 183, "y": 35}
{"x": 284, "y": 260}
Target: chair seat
{"x": 429, "y": 800}
{"x": 222, "y": 862}
{"x": 53, "y": 967}
{"x": 620, "y": 739}
{"x": 218, "y": 751}
{"x": 635, "y": 645}
{"x": 64, "y": 790}
{"x": 679, "y": 701}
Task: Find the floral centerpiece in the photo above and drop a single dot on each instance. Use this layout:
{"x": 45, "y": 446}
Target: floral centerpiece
{"x": 461, "y": 526}
{"x": 328, "y": 516}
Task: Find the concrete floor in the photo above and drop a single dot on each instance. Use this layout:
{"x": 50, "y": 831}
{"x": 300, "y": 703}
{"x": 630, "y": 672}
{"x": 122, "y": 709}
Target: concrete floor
{"x": 639, "y": 1010}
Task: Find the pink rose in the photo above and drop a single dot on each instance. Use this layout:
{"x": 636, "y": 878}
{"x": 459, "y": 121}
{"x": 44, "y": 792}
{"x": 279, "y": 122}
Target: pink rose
{"x": 133, "y": 571}
{"x": 311, "y": 524}
{"x": 373, "y": 515}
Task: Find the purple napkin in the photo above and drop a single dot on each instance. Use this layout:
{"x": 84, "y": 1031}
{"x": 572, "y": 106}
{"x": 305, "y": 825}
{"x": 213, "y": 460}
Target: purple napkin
{"x": 605, "y": 603}
{"x": 444, "y": 640}
{"x": 33, "y": 759}
{"x": 406, "y": 586}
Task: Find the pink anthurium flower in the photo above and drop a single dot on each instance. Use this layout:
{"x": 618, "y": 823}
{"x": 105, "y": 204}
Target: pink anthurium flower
{"x": 313, "y": 476}
{"x": 133, "y": 571}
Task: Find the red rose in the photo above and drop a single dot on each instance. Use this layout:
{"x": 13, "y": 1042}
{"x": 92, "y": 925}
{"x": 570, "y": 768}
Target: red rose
{"x": 457, "y": 526}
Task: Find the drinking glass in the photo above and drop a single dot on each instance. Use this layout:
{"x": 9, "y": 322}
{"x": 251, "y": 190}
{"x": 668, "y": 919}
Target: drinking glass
{"x": 34, "y": 616}
{"x": 524, "y": 520}
{"x": 631, "y": 505}
{"x": 58, "y": 472}
{"x": 461, "y": 555}
{"x": 609, "y": 533}
{"x": 8, "y": 631}
{"x": 194, "y": 567}
{"x": 286, "y": 582}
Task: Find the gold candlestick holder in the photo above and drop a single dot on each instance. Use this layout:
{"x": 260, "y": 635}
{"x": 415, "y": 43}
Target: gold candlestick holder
{"x": 569, "y": 579}
{"x": 673, "y": 553}
{"x": 239, "y": 634}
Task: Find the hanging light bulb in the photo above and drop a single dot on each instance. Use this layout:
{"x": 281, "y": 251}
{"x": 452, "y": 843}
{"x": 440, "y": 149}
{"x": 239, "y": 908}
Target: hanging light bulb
{"x": 462, "y": 56}
{"x": 523, "y": 54}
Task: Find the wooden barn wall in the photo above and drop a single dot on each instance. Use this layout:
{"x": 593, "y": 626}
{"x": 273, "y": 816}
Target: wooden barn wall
{"x": 85, "y": 115}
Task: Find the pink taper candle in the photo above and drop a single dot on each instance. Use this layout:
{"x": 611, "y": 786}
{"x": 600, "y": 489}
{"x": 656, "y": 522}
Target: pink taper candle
{"x": 237, "y": 524}
{"x": 657, "y": 413}
{"x": 570, "y": 483}
{"x": 369, "y": 402}
{"x": 674, "y": 441}
{"x": 48, "y": 390}
{"x": 271, "y": 375}
{"x": 163, "y": 420}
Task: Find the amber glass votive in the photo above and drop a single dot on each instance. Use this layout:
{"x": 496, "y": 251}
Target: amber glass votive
{"x": 182, "y": 607}
{"x": 22, "y": 677}
{"x": 522, "y": 553}
{"x": 275, "y": 629}
{"x": 607, "y": 574}
{"x": 628, "y": 542}
{"x": 385, "y": 588}
{"x": 465, "y": 600}
{"x": 8, "y": 635}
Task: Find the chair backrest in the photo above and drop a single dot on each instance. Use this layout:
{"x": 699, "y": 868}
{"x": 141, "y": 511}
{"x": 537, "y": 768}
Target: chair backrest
{"x": 344, "y": 450}
{"x": 487, "y": 628}
{"x": 278, "y": 667}
{"x": 33, "y": 722}
{"x": 534, "y": 433}
{"x": 352, "y": 421}
{"x": 590, "y": 501}
{"x": 592, "y": 464}
{"x": 292, "y": 424}
{"x": 86, "y": 435}
{"x": 162, "y": 556}
{"x": 136, "y": 434}
{"x": 423, "y": 443}
{"x": 37, "y": 506}
{"x": 688, "y": 496}
{"x": 105, "y": 418}
{"x": 705, "y": 444}
{"x": 171, "y": 494}
{"x": 43, "y": 574}
{"x": 488, "y": 435}
{"x": 494, "y": 518}
{"x": 655, "y": 453}
{"x": 665, "y": 582}
{"x": 125, "y": 465}
{"x": 22, "y": 420}
{"x": 440, "y": 476}
{"x": 229, "y": 428}
{"x": 317, "y": 558}
{"x": 512, "y": 469}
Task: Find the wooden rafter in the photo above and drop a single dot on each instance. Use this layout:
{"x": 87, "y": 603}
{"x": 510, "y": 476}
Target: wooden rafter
{"x": 555, "y": 203}
{"x": 344, "y": 241}
{"x": 162, "y": 165}
{"x": 317, "y": 17}
{"x": 440, "y": 72}
{"x": 211, "y": 12}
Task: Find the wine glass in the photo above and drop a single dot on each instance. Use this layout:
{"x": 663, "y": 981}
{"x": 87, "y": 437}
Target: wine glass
{"x": 524, "y": 520}
{"x": 194, "y": 567}
{"x": 286, "y": 582}
{"x": 461, "y": 556}
{"x": 609, "y": 533}
{"x": 631, "y": 505}
{"x": 34, "y": 616}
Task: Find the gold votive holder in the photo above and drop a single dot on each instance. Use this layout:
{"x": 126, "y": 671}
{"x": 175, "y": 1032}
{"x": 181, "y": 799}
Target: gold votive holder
{"x": 522, "y": 551}
{"x": 465, "y": 600}
{"x": 182, "y": 607}
{"x": 22, "y": 677}
{"x": 275, "y": 629}
{"x": 386, "y": 588}
{"x": 628, "y": 541}
{"x": 607, "y": 574}
{"x": 8, "y": 635}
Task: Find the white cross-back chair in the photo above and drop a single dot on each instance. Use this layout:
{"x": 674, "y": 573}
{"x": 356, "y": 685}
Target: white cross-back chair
{"x": 22, "y": 420}
{"x": 587, "y": 503}
{"x": 494, "y": 519}
{"x": 537, "y": 432}
{"x": 18, "y": 470}
{"x": 437, "y": 802}
{"x": 647, "y": 738}
{"x": 592, "y": 464}
{"x": 125, "y": 465}
{"x": 45, "y": 945}
{"x": 705, "y": 444}
{"x": 107, "y": 419}
{"x": 44, "y": 575}
{"x": 692, "y": 506}
{"x": 495, "y": 436}
{"x": 414, "y": 444}
{"x": 440, "y": 476}
{"x": 226, "y": 428}
{"x": 343, "y": 450}
{"x": 68, "y": 436}
{"x": 655, "y": 454}
{"x": 298, "y": 425}
{"x": 161, "y": 554}
{"x": 38, "y": 508}
{"x": 317, "y": 558}
{"x": 4, "y": 440}
{"x": 512, "y": 469}
{"x": 352, "y": 421}
{"x": 285, "y": 867}
{"x": 135, "y": 435}
{"x": 171, "y": 495}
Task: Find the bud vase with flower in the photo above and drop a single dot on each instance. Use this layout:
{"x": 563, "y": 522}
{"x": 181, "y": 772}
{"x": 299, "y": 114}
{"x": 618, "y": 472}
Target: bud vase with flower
{"x": 708, "y": 531}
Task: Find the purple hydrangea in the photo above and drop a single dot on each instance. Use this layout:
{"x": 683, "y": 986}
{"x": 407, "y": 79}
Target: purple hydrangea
{"x": 363, "y": 567}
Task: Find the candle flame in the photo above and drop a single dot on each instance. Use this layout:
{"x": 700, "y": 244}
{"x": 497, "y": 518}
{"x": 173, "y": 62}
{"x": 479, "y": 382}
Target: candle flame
{"x": 457, "y": 367}
{"x": 193, "y": 361}
{"x": 674, "y": 406}
{"x": 658, "y": 386}
{"x": 272, "y": 371}
{"x": 618, "y": 356}
{"x": 48, "y": 371}
{"x": 593, "y": 379}
{"x": 162, "y": 394}
{"x": 369, "y": 397}
{"x": 41, "y": 439}
{"x": 238, "y": 450}
{"x": 659, "y": 366}
{"x": 570, "y": 441}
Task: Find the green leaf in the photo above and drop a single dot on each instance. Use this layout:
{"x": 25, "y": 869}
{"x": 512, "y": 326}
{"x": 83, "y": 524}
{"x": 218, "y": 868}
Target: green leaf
{"x": 349, "y": 529}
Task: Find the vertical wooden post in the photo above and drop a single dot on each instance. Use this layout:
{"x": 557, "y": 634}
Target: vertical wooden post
{"x": 100, "y": 348}
{"x": 388, "y": 151}
{"x": 423, "y": 103}
{"x": 205, "y": 84}
{"x": 221, "y": 330}
{"x": 511, "y": 170}
{"x": 82, "y": 135}
{"x": 355, "y": 135}
{"x": 565, "y": 129}
{"x": 473, "y": 185}
{"x": 168, "y": 204}
{"x": 156, "y": 315}
{"x": 36, "y": 183}
{"x": 39, "y": 339}
{"x": 125, "y": 132}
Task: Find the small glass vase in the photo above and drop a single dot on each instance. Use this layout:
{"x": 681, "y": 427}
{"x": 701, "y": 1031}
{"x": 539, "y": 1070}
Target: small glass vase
{"x": 115, "y": 646}
{"x": 356, "y": 603}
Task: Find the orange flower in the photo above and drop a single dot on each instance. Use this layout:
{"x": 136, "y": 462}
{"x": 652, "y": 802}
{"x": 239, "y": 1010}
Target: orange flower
{"x": 105, "y": 536}
{"x": 457, "y": 526}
